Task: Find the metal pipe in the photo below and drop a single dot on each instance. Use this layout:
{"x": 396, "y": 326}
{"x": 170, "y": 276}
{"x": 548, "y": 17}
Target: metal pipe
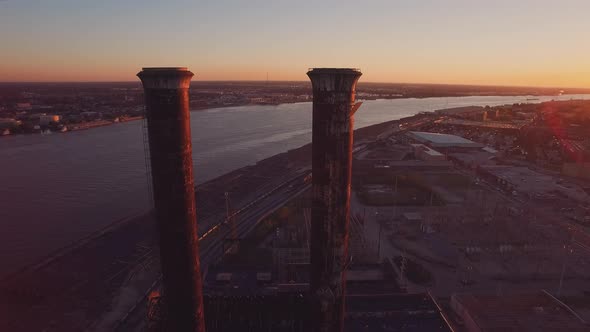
{"x": 168, "y": 120}
{"x": 332, "y": 139}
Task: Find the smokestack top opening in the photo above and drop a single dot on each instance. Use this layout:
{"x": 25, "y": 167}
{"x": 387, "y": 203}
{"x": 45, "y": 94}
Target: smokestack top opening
{"x": 164, "y": 69}
{"x": 165, "y": 77}
{"x": 333, "y": 80}
{"x": 354, "y": 71}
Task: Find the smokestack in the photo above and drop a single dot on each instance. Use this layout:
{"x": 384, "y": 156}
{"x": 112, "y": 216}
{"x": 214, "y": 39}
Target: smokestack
{"x": 333, "y": 109}
{"x": 169, "y": 132}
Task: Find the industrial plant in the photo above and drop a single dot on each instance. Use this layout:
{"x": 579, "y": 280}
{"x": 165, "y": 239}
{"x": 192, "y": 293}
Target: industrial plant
{"x": 294, "y": 166}
{"x": 406, "y": 227}
{"x": 456, "y": 219}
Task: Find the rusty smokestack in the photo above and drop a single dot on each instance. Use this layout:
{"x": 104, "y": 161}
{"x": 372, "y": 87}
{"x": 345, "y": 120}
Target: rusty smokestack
{"x": 168, "y": 122}
{"x": 333, "y": 109}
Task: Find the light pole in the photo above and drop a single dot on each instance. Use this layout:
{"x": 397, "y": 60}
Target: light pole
{"x": 566, "y": 247}
{"x": 379, "y": 238}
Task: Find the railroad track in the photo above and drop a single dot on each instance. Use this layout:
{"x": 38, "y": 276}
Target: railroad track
{"x": 250, "y": 215}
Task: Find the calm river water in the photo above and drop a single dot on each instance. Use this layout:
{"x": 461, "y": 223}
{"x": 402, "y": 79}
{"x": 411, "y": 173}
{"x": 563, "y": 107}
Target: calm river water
{"x": 56, "y": 189}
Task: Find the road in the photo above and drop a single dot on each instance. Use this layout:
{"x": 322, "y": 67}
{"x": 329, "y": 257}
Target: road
{"x": 248, "y": 216}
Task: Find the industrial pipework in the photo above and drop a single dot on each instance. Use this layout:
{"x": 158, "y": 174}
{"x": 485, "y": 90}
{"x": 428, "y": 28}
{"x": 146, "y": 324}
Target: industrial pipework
{"x": 168, "y": 121}
{"x": 332, "y": 140}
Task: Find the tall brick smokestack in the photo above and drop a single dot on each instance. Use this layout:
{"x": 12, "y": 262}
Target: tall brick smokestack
{"x": 167, "y": 112}
{"x": 333, "y": 109}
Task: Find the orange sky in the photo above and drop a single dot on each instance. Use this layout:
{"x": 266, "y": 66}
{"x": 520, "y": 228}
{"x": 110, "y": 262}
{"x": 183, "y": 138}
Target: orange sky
{"x": 524, "y": 43}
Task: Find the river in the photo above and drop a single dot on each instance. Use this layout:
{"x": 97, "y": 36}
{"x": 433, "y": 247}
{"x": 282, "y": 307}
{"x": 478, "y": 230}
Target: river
{"x": 56, "y": 189}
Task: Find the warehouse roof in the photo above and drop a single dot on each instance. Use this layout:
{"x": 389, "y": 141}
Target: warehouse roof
{"x": 443, "y": 140}
{"x": 519, "y": 312}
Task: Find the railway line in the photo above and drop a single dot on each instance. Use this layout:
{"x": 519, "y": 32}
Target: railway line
{"x": 249, "y": 215}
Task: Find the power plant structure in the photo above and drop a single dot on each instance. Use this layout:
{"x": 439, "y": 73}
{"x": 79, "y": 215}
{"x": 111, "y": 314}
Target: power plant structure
{"x": 167, "y": 112}
{"x": 310, "y": 300}
{"x": 332, "y": 141}
{"x": 169, "y": 134}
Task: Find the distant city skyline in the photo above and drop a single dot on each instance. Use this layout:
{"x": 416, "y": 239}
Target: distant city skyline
{"x": 528, "y": 43}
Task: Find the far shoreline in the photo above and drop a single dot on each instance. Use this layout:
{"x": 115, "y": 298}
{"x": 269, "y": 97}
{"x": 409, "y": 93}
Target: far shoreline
{"x": 105, "y": 123}
{"x": 116, "y": 225}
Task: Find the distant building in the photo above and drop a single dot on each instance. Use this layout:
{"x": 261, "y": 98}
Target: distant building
{"x": 512, "y": 178}
{"x": 257, "y": 100}
{"x": 437, "y": 140}
{"x": 535, "y": 312}
{"x": 526, "y": 115}
{"x": 6, "y": 123}
{"x": 23, "y": 106}
{"x": 490, "y": 150}
{"x": 73, "y": 118}
{"x": 290, "y": 312}
{"x": 425, "y": 153}
{"x": 534, "y": 184}
{"x": 507, "y": 127}
{"x": 45, "y": 120}
{"x": 412, "y": 216}
{"x": 90, "y": 115}
{"x": 459, "y": 110}
{"x": 475, "y": 158}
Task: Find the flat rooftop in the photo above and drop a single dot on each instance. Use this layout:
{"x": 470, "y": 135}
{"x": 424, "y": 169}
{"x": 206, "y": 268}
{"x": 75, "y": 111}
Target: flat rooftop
{"x": 474, "y": 158}
{"x": 443, "y": 140}
{"x": 538, "y": 311}
{"x": 393, "y": 312}
{"x": 290, "y": 312}
{"x": 418, "y": 164}
{"x": 532, "y": 182}
{"x": 427, "y": 150}
{"x": 524, "y": 179}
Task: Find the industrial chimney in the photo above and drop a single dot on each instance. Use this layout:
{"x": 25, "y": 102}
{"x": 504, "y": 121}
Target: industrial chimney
{"x": 167, "y": 112}
{"x": 333, "y": 109}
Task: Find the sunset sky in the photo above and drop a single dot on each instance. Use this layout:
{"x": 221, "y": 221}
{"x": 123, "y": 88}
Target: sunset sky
{"x": 526, "y": 42}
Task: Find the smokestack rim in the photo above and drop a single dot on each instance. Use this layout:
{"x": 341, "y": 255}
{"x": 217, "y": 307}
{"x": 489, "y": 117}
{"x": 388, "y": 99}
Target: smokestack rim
{"x": 165, "y": 77}
{"x": 341, "y": 80}
{"x": 164, "y": 69}
{"x": 338, "y": 71}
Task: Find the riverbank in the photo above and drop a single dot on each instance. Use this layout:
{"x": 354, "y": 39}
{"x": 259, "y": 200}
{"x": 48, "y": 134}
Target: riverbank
{"x": 211, "y": 193}
{"x": 531, "y": 98}
{"x": 101, "y": 123}
{"x": 78, "y": 126}
{"x": 73, "y": 287}
{"x": 95, "y": 176}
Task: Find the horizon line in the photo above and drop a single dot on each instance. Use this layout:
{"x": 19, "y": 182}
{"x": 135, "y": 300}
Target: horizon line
{"x": 305, "y": 81}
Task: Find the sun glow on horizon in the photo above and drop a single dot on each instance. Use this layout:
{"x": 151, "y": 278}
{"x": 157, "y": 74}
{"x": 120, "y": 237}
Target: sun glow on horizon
{"x": 530, "y": 43}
